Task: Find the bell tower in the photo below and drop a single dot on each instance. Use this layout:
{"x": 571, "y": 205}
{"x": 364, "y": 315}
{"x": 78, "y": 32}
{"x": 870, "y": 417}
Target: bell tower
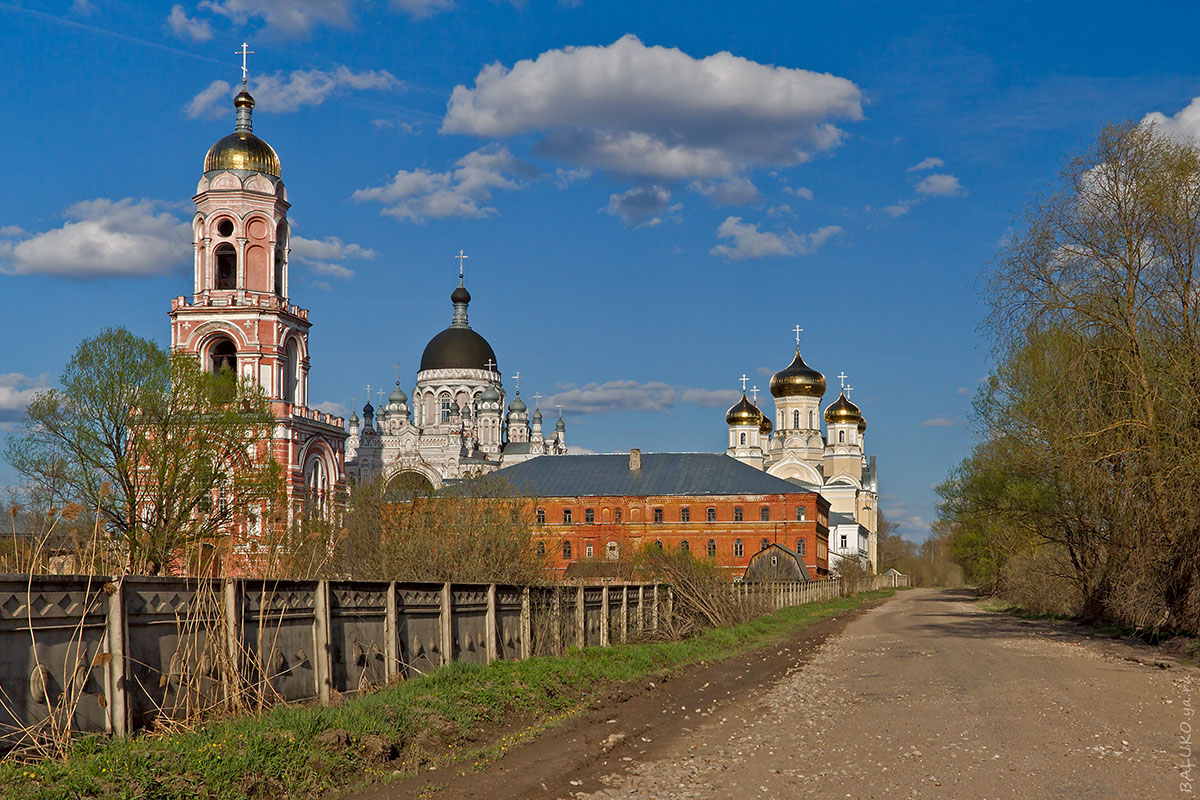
{"x": 239, "y": 316}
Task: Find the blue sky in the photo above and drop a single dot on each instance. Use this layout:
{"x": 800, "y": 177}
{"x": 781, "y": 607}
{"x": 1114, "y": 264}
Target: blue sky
{"x": 651, "y": 194}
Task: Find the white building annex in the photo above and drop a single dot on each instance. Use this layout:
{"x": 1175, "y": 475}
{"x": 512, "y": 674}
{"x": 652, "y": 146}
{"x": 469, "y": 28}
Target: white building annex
{"x": 456, "y": 424}
{"x": 833, "y": 463}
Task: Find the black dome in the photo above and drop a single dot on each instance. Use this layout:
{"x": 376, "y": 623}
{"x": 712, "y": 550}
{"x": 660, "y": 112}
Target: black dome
{"x": 460, "y": 295}
{"x": 458, "y": 348}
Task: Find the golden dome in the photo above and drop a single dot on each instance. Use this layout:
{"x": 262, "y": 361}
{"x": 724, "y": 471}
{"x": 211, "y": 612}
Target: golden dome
{"x": 743, "y": 413}
{"x": 765, "y": 427}
{"x": 242, "y": 149}
{"x": 862, "y": 426}
{"x": 798, "y": 379}
{"x": 845, "y": 412}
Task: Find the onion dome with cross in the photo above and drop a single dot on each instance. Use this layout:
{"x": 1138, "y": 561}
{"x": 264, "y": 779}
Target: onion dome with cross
{"x": 242, "y": 150}
{"x": 844, "y": 412}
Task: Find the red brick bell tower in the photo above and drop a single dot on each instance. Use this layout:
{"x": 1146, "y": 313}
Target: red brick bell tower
{"x": 239, "y": 316}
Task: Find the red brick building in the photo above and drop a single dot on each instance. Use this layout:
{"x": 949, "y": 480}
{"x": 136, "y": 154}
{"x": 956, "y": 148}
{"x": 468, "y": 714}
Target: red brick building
{"x": 607, "y": 506}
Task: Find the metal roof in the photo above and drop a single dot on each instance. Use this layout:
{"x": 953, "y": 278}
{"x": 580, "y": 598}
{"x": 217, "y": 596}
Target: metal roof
{"x": 683, "y": 474}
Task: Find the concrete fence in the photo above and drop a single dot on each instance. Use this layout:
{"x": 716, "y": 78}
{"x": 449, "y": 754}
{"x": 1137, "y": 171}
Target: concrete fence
{"x": 98, "y": 654}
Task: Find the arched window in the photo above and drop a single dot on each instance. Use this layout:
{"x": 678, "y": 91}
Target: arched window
{"x": 737, "y": 514}
{"x": 800, "y": 547}
{"x": 711, "y": 548}
{"x": 316, "y": 484}
{"x": 685, "y": 547}
{"x": 796, "y": 419}
{"x": 445, "y": 408}
{"x": 685, "y": 515}
{"x": 741, "y": 438}
{"x": 541, "y": 549}
{"x": 280, "y": 257}
{"x": 225, "y": 258}
{"x": 223, "y": 357}
{"x": 658, "y": 544}
{"x": 612, "y": 551}
{"x": 738, "y": 548}
{"x": 841, "y": 436}
{"x": 617, "y": 516}
{"x": 566, "y": 550}
{"x": 764, "y": 544}
{"x": 812, "y": 419}
{"x": 291, "y": 372}
{"x": 710, "y": 514}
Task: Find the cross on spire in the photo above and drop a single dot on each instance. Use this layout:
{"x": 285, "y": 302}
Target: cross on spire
{"x": 368, "y": 392}
{"x": 797, "y": 330}
{"x": 744, "y": 381}
{"x": 490, "y": 364}
{"x": 536, "y": 397}
{"x": 461, "y": 258}
{"x": 245, "y": 51}
{"x": 848, "y": 390}
{"x": 559, "y": 406}
{"x": 380, "y": 393}
{"x": 397, "y": 373}
{"x": 517, "y": 382}
{"x": 754, "y": 394}
{"x": 842, "y": 378}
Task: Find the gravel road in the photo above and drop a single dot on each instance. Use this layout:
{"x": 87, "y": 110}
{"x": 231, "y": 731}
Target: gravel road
{"x": 928, "y": 696}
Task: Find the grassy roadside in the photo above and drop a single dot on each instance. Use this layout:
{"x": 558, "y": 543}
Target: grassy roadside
{"x": 305, "y": 751}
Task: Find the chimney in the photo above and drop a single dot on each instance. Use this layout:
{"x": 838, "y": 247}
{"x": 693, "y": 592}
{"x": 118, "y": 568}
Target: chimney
{"x": 635, "y": 459}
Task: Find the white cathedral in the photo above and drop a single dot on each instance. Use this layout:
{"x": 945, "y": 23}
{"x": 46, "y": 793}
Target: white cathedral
{"x": 456, "y": 426}
{"x": 834, "y": 463}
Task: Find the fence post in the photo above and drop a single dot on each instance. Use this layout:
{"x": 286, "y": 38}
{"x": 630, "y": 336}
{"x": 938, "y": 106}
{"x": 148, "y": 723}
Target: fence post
{"x": 323, "y": 650}
{"x": 489, "y": 624}
{"x": 391, "y": 636}
{"x": 232, "y": 675}
{"x": 556, "y": 622}
{"x": 624, "y": 613}
{"x": 604, "y": 615}
{"x": 580, "y": 619}
{"x": 117, "y": 718}
{"x": 446, "y": 625}
{"x": 641, "y": 612}
{"x": 654, "y": 610}
{"x": 670, "y": 606}
{"x": 526, "y": 623}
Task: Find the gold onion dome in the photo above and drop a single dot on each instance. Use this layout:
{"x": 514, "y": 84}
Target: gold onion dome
{"x": 242, "y": 149}
{"x": 798, "y": 379}
{"x": 765, "y": 426}
{"x": 843, "y": 411}
{"x": 743, "y": 413}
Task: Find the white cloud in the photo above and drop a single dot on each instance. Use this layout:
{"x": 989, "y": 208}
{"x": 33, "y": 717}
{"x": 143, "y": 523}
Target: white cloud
{"x": 319, "y": 256}
{"x": 733, "y": 192}
{"x": 83, "y": 8}
{"x": 799, "y": 191}
{"x": 747, "y": 241}
{"x": 16, "y": 391}
{"x": 962, "y": 390}
{"x": 643, "y": 206}
{"x": 930, "y": 163}
{"x": 420, "y": 194}
{"x": 572, "y": 450}
{"x": 940, "y": 185}
{"x": 198, "y": 30}
{"x": 1184, "y": 125}
{"x": 287, "y": 17}
{"x": 421, "y": 9}
{"x": 942, "y": 422}
{"x": 283, "y": 94}
{"x": 332, "y": 407}
{"x": 901, "y": 208}
{"x": 657, "y": 111}
{"x": 781, "y": 210}
{"x": 102, "y": 238}
{"x": 652, "y": 396}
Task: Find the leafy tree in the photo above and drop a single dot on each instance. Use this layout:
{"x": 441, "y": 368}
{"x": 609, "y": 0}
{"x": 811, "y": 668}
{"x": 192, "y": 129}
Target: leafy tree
{"x": 168, "y": 456}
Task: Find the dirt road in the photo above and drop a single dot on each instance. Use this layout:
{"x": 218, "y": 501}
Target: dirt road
{"x": 930, "y": 697}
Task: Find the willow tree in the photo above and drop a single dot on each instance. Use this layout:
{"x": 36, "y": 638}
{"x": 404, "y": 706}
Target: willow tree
{"x": 167, "y": 456}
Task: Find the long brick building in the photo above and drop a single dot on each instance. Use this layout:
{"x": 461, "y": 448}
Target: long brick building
{"x": 594, "y": 507}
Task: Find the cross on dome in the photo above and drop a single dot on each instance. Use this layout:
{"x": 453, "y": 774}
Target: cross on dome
{"x": 842, "y": 378}
{"x": 559, "y": 406}
{"x": 490, "y": 364}
{"x": 517, "y": 382}
{"x": 798, "y": 330}
{"x": 754, "y": 394}
{"x": 461, "y": 258}
{"x": 744, "y": 381}
{"x": 245, "y": 51}
{"x": 848, "y": 390}
{"x": 397, "y": 373}
{"x": 536, "y": 397}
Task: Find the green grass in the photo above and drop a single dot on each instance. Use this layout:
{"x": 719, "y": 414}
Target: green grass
{"x": 304, "y": 751}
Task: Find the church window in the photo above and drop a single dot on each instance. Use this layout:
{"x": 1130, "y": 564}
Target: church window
{"x": 587, "y": 551}
{"x": 764, "y": 514}
{"x": 541, "y": 549}
{"x": 799, "y": 513}
{"x": 589, "y": 516}
{"x": 710, "y": 514}
{"x": 225, "y": 227}
{"x": 812, "y": 419}
{"x": 658, "y": 515}
{"x": 841, "y": 436}
{"x": 764, "y": 544}
{"x": 685, "y": 515}
{"x": 711, "y": 548}
{"x": 226, "y": 263}
{"x": 566, "y": 516}
{"x": 800, "y": 547}
{"x": 737, "y": 514}
{"x": 617, "y": 515}
{"x": 280, "y": 257}
{"x": 612, "y": 551}
{"x": 223, "y": 357}
{"x": 741, "y": 438}
{"x": 685, "y": 547}
{"x": 541, "y": 516}
{"x": 566, "y": 550}
{"x": 795, "y": 419}
{"x": 844, "y": 544}
{"x": 445, "y": 408}
{"x": 738, "y": 548}
{"x": 291, "y": 374}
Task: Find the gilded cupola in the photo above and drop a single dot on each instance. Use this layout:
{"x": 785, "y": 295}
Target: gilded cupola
{"x": 842, "y": 411}
{"x": 765, "y": 426}
{"x": 743, "y": 413}
{"x": 798, "y": 379}
{"x": 242, "y": 150}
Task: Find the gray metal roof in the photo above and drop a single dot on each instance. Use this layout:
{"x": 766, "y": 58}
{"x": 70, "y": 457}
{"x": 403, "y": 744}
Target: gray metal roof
{"x": 661, "y": 474}
{"x": 841, "y": 518}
